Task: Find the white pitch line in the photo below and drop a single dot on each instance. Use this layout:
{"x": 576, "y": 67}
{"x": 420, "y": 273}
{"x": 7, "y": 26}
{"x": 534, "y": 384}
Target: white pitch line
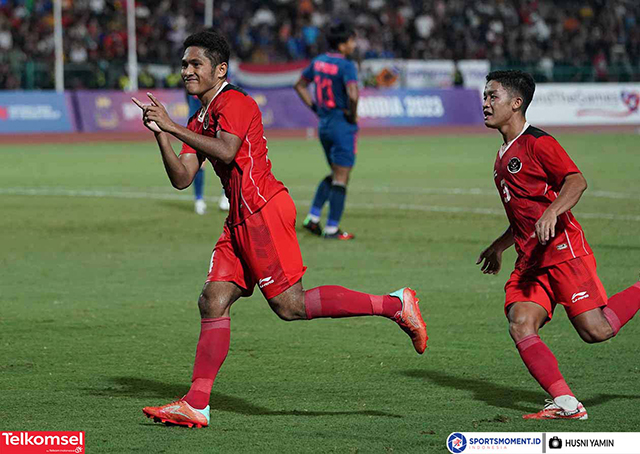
{"x": 462, "y": 191}
{"x": 365, "y": 190}
{"x": 62, "y": 192}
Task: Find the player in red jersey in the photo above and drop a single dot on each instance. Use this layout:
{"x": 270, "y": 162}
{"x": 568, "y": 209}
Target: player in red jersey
{"x": 258, "y": 244}
{"x": 539, "y": 184}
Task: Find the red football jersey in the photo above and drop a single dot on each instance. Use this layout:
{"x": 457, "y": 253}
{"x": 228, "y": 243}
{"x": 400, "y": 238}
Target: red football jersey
{"x": 247, "y": 180}
{"x": 529, "y": 173}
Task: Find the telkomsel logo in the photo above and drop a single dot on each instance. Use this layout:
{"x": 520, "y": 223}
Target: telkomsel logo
{"x": 456, "y": 443}
{"x": 25, "y": 442}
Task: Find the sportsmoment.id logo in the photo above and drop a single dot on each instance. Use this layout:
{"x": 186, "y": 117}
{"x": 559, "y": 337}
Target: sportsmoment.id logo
{"x": 544, "y": 443}
{"x": 456, "y": 443}
{"x": 504, "y": 442}
{"x": 24, "y": 442}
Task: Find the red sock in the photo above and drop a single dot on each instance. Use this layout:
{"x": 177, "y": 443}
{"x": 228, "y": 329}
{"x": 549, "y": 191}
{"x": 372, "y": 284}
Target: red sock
{"x": 543, "y": 365}
{"x": 211, "y": 352}
{"x": 337, "y": 302}
{"x": 622, "y": 307}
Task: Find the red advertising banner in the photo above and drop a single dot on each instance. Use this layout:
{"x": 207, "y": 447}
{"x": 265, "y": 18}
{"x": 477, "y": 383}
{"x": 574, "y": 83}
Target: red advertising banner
{"x": 27, "y": 442}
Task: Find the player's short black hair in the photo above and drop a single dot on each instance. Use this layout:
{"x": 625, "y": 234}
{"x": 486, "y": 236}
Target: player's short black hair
{"x": 215, "y": 46}
{"x": 339, "y": 33}
{"x": 516, "y": 82}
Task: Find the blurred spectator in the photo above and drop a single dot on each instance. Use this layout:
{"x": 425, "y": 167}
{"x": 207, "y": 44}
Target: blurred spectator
{"x": 557, "y": 40}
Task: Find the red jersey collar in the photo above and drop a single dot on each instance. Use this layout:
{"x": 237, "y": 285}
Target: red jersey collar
{"x": 202, "y": 113}
{"x": 505, "y": 147}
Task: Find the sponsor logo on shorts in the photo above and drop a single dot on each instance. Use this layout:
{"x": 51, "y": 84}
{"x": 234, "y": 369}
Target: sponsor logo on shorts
{"x": 561, "y": 247}
{"x": 262, "y": 283}
{"x": 579, "y": 296}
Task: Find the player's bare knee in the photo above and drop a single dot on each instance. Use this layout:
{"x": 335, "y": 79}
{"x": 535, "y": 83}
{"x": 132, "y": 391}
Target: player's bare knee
{"x": 212, "y": 305}
{"x": 289, "y": 305}
{"x": 595, "y": 334}
{"x": 521, "y": 326}
{"x": 286, "y": 312}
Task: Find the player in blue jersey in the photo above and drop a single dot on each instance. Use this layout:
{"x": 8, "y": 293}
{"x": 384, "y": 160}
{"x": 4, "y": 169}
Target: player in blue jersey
{"x": 198, "y": 182}
{"x": 336, "y": 102}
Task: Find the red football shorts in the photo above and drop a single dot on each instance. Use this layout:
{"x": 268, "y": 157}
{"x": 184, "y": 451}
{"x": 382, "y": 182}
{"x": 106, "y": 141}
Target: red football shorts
{"x": 262, "y": 250}
{"x": 574, "y": 284}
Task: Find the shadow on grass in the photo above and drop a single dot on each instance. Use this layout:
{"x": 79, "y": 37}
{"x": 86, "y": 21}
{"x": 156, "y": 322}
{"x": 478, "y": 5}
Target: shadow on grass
{"x": 140, "y": 387}
{"x": 499, "y": 395}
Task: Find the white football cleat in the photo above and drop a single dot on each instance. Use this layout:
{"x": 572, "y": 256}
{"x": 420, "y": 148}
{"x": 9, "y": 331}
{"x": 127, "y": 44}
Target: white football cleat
{"x": 562, "y": 407}
{"x": 223, "y": 203}
{"x": 200, "y": 206}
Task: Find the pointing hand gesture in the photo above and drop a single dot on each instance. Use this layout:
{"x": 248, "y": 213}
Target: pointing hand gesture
{"x": 151, "y": 125}
{"x": 155, "y": 113}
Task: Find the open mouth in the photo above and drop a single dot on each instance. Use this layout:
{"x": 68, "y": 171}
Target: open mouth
{"x": 486, "y": 115}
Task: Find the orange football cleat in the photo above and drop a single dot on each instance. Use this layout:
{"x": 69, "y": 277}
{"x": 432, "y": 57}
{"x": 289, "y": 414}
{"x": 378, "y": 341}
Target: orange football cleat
{"x": 554, "y": 411}
{"x": 179, "y": 413}
{"x": 410, "y": 318}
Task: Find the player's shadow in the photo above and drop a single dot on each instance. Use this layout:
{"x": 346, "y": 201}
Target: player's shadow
{"x": 140, "y": 387}
{"x": 499, "y": 395}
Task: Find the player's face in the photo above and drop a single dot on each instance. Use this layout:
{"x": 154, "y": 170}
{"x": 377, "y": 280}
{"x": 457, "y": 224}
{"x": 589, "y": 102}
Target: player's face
{"x": 351, "y": 45}
{"x": 198, "y": 73}
{"x": 498, "y": 105}
{"x": 348, "y": 47}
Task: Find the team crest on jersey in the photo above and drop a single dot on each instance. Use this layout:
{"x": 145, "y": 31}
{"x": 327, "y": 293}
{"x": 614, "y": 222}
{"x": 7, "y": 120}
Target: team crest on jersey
{"x": 206, "y": 122}
{"x": 514, "y": 165}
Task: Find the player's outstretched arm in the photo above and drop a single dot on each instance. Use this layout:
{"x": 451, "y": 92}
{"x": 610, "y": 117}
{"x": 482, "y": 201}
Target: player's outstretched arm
{"x": 572, "y": 189}
{"x": 491, "y": 257}
{"x": 301, "y": 88}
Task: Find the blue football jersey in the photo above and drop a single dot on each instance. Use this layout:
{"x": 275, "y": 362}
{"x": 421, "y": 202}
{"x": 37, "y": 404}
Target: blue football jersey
{"x": 331, "y": 73}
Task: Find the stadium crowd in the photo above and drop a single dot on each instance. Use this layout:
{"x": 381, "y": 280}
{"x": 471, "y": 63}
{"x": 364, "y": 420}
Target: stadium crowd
{"x": 601, "y": 35}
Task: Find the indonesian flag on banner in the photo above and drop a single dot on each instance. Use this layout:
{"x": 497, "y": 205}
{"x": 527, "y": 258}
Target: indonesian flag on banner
{"x": 275, "y": 75}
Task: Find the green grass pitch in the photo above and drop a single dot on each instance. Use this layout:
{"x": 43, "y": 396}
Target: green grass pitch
{"x": 102, "y": 263}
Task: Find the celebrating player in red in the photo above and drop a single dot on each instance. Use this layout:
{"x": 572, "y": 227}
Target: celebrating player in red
{"x": 258, "y": 244}
{"x": 539, "y": 185}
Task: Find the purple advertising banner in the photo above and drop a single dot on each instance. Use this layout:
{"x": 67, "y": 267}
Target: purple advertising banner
{"x": 111, "y": 110}
{"x": 35, "y": 112}
{"x": 282, "y": 109}
{"x": 425, "y": 107}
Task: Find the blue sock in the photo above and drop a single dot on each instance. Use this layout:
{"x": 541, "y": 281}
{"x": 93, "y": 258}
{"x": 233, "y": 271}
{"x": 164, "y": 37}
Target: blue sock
{"x": 198, "y": 184}
{"x": 337, "y": 197}
{"x": 322, "y": 194}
